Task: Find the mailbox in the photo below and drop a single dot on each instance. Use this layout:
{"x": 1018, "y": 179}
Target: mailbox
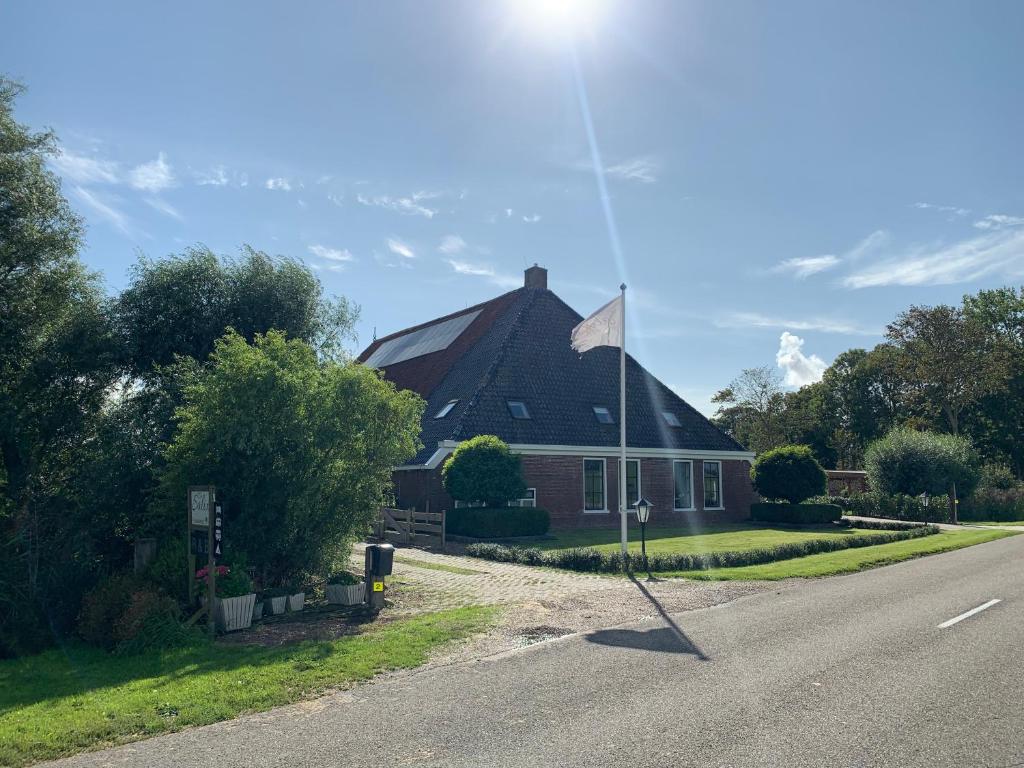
{"x": 380, "y": 559}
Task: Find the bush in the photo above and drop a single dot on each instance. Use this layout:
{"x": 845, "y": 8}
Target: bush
{"x": 344, "y": 577}
{"x": 788, "y": 473}
{"x": 145, "y": 606}
{"x": 899, "y": 507}
{"x": 483, "y": 469}
{"x": 995, "y": 505}
{"x": 500, "y": 523}
{"x": 796, "y": 514}
{"x": 843, "y": 502}
{"x": 998, "y": 477}
{"x": 591, "y": 560}
{"x": 102, "y": 608}
{"x": 911, "y": 463}
{"x": 168, "y": 570}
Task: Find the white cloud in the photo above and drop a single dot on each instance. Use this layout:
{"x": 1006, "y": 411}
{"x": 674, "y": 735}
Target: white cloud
{"x": 802, "y": 268}
{"x": 410, "y": 206}
{"x": 401, "y": 249}
{"x": 641, "y": 169}
{"x": 338, "y": 200}
{"x": 871, "y": 243}
{"x": 164, "y": 207}
{"x": 331, "y": 254}
{"x": 533, "y": 219}
{"x": 995, "y": 252}
{"x": 800, "y": 369}
{"x": 153, "y": 176}
{"x": 508, "y": 213}
{"x": 483, "y": 270}
{"x": 952, "y": 209}
{"x": 85, "y": 170}
{"x": 822, "y": 324}
{"x": 215, "y": 177}
{"x": 999, "y": 221}
{"x": 451, "y": 245}
{"x": 105, "y": 209}
{"x": 278, "y": 183}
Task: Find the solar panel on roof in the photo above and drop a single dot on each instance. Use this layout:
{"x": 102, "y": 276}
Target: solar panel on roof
{"x": 433, "y": 338}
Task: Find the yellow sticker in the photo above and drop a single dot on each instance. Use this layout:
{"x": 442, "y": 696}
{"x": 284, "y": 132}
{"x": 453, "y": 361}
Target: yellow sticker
{"x": 378, "y": 586}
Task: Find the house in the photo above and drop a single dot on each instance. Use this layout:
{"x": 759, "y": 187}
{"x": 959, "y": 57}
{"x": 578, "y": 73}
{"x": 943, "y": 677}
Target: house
{"x": 505, "y": 367}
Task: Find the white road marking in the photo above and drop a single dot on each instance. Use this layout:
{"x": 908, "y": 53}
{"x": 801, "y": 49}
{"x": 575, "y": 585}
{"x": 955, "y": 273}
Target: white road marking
{"x": 969, "y": 613}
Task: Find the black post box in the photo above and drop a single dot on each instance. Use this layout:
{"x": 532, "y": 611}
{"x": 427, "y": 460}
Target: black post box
{"x": 380, "y": 559}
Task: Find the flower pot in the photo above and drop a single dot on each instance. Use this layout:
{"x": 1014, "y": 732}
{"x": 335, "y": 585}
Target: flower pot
{"x": 297, "y": 601}
{"x": 345, "y": 594}
{"x": 257, "y": 610}
{"x": 275, "y": 605}
{"x": 234, "y": 613}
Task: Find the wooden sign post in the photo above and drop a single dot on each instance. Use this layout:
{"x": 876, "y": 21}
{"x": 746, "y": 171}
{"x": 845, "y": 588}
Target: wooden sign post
{"x": 202, "y": 507}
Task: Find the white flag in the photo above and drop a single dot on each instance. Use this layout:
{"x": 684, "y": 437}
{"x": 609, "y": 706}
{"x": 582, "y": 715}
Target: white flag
{"x": 601, "y": 329}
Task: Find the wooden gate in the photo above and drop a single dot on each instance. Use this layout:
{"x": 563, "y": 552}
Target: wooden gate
{"x": 407, "y": 526}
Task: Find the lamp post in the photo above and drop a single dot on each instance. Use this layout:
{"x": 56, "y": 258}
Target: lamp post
{"x": 643, "y": 514}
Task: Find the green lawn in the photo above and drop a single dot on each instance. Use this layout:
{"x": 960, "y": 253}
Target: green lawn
{"x": 69, "y": 700}
{"x": 988, "y": 522}
{"x": 850, "y": 560}
{"x": 719, "y": 538}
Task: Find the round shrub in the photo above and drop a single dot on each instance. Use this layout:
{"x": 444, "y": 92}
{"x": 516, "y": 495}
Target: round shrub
{"x": 483, "y": 469}
{"x": 909, "y": 462}
{"x": 998, "y": 477}
{"x": 788, "y": 473}
{"x": 147, "y": 610}
{"x": 102, "y": 607}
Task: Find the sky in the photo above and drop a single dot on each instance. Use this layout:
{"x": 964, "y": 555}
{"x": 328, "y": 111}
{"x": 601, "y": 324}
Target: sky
{"x": 773, "y": 181}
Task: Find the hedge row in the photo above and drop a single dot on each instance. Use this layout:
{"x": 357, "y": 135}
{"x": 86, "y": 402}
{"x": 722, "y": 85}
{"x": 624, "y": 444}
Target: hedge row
{"x": 497, "y": 523}
{"x": 594, "y": 561}
{"x": 884, "y": 525}
{"x": 795, "y": 514}
{"x": 899, "y": 507}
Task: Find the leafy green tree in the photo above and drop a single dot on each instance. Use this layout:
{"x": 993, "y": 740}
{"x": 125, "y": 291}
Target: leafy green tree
{"x": 751, "y": 409}
{"x": 57, "y": 363}
{"x": 300, "y": 448}
{"x": 483, "y": 469}
{"x": 181, "y": 305}
{"x": 789, "y": 473}
{"x": 911, "y": 462}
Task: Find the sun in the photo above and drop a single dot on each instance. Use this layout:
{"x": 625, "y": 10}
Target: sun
{"x": 559, "y": 17}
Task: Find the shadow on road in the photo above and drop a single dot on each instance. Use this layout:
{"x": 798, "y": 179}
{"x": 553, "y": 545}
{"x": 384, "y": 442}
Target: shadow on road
{"x": 668, "y": 639}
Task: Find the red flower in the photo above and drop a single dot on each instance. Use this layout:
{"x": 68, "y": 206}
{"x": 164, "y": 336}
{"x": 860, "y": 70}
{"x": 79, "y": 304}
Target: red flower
{"x": 222, "y": 570}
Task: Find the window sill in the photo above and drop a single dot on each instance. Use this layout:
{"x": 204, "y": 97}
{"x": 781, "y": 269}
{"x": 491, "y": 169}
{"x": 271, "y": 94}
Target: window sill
{"x": 684, "y": 509}
{"x": 596, "y": 511}
{"x": 714, "y": 509}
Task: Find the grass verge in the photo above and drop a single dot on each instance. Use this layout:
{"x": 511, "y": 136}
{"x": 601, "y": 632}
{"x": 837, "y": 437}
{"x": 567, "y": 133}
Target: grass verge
{"x": 437, "y": 566}
{"x": 994, "y": 522}
{"x": 78, "y": 698}
{"x": 849, "y": 560}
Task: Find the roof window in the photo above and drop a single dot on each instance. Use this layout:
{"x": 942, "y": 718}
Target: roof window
{"x": 671, "y": 419}
{"x": 603, "y": 414}
{"x": 518, "y": 409}
{"x": 447, "y": 409}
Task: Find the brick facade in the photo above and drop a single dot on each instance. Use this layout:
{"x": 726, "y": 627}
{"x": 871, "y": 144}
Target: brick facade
{"x": 559, "y": 484}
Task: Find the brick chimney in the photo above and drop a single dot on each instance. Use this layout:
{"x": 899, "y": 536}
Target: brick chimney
{"x": 536, "y": 277}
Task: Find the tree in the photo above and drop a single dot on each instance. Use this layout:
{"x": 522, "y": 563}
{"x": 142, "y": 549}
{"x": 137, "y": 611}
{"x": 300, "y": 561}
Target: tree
{"x": 301, "y": 449}
{"x": 751, "y": 407}
{"x": 56, "y": 365}
{"x": 790, "y": 473}
{"x": 910, "y": 462}
{"x": 181, "y": 305}
{"x": 948, "y": 357}
{"x": 483, "y": 469}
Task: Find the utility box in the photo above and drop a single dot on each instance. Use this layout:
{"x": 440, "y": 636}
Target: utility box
{"x": 379, "y": 562}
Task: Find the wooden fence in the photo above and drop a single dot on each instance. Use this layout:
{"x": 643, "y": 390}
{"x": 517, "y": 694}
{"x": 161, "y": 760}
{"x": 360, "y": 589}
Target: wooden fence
{"x": 407, "y": 526}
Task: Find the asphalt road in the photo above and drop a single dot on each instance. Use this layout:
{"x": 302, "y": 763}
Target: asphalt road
{"x": 849, "y": 671}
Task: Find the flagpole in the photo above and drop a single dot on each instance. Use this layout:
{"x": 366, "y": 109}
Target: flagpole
{"x": 622, "y": 424}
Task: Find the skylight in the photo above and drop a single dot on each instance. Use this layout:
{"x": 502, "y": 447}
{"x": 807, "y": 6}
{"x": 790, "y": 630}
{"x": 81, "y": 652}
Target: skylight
{"x": 446, "y": 410}
{"x": 603, "y": 414}
{"x": 518, "y": 409}
{"x": 671, "y": 419}
{"x": 433, "y": 338}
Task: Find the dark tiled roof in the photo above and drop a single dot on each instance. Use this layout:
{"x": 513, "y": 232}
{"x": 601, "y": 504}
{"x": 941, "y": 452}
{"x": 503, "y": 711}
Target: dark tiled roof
{"x": 518, "y": 349}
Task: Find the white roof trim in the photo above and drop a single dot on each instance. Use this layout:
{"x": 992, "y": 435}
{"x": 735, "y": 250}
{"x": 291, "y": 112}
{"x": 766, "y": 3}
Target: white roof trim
{"x": 445, "y": 448}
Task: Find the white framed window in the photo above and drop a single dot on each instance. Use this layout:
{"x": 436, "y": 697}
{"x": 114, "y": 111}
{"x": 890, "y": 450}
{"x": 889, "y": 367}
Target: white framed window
{"x": 595, "y": 486}
{"x": 518, "y": 409}
{"x": 713, "y": 485}
{"x": 603, "y": 415}
{"x": 633, "y": 490}
{"x": 529, "y": 499}
{"x": 682, "y": 481}
{"x": 447, "y": 409}
{"x": 670, "y": 418}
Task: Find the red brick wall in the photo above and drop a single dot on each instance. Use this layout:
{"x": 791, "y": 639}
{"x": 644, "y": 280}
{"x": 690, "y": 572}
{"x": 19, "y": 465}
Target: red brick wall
{"x": 559, "y": 484}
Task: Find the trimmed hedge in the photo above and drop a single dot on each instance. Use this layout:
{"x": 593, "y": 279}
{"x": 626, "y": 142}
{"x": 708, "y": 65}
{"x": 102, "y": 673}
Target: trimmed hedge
{"x": 994, "y": 504}
{"x": 883, "y": 525}
{"x": 497, "y": 522}
{"x": 591, "y": 560}
{"x": 899, "y": 507}
{"x": 796, "y": 514}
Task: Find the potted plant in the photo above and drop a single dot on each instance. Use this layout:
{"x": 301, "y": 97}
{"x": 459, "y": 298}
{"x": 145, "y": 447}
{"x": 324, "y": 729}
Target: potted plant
{"x": 296, "y": 599}
{"x": 275, "y": 601}
{"x": 345, "y": 589}
{"x": 233, "y": 605}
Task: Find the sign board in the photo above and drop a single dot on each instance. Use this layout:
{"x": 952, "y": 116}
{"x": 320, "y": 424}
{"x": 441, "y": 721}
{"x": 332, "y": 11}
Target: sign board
{"x": 199, "y": 506}
{"x": 218, "y": 531}
{"x": 378, "y": 586}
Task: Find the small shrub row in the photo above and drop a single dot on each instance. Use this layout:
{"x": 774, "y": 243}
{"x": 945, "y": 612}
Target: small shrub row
{"x": 843, "y": 502}
{"x": 129, "y": 615}
{"x": 885, "y": 525}
{"x": 899, "y": 507}
{"x": 591, "y": 560}
{"x": 796, "y": 514}
{"x": 497, "y": 522}
{"x": 994, "y": 504}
